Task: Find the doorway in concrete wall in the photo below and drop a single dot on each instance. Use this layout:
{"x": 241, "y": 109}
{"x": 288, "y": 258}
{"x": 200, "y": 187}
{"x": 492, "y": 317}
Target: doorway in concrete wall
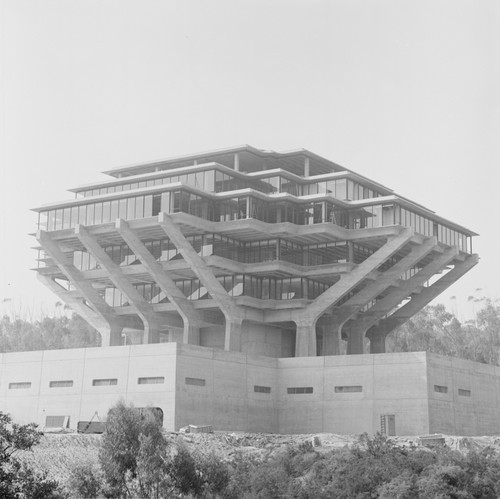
{"x": 388, "y": 424}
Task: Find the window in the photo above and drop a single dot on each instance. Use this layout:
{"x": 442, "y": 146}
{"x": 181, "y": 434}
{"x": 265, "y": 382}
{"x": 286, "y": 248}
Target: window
{"x": 348, "y": 389}
{"x": 153, "y": 380}
{"x": 294, "y": 390}
{"x": 20, "y": 385}
{"x": 262, "y": 389}
{"x": 195, "y": 381}
{"x": 61, "y": 384}
{"x": 463, "y": 393}
{"x": 440, "y": 389}
{"x": 104, "y": 382}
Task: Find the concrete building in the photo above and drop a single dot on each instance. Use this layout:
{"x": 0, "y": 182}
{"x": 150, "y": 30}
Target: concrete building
{"x": 403, "y": 394}
{"x": 276, "y": 254}
{"x": 257, "y": 271}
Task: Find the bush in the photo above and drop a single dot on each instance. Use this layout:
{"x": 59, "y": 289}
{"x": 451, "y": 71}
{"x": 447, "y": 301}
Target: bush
{"x": 85, "y": 480}
{"x": 17, "y": 479}
{"x": 133, "y": 454}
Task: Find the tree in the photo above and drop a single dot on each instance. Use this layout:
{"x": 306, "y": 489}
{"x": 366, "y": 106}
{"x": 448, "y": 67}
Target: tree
{"x": 435, "y": 330}
{"x": 133, "y": 454}
{"x": 17, "y": 479}
{"x": 46, "y": 334}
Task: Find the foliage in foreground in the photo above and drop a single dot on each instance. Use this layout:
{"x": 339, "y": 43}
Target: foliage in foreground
{"x": 137, "y": 462}
{"x": 17, "y": 480}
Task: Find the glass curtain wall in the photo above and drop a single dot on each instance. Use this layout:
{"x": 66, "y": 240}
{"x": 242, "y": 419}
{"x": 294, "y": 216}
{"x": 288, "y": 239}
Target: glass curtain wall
{"x": 264, "y": 288}
{"x": 249, "y": 206}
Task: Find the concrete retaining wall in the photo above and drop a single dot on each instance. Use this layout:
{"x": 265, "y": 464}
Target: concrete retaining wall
{"x": 235, "y": 391}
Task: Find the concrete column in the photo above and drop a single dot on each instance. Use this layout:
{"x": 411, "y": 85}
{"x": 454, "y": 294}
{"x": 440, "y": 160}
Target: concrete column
{"x": 191, "y": 317}
{"x": 331, "y": 342}
{"x": 306, "y": 167}
{"x": 232, "y": 313}
{"x": 355, "y": 344}
{"x": 111, "y": 336}
{"x": 305, "y": 339}
{"x": 143, "y": 309}
{"x": 191, "y": 334}
{"x": 355, "y": 341}
{"x": 350, "y": 252}
{"x": 151, "y": 332}
{"x": 377, "y": 339}
{"x": 233, "y": 333}
{"x": 237, "y": 161}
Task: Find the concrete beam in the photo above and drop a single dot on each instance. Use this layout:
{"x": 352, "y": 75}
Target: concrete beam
{"x": 110, "y": 331}
{"x": 348, "y": 281}
{"x": 143, "y": 309}
{"x": 191, "y": 317}
{"x": 84, "y": 287}
{"x": 384, "y": 280}
{"x": 345, "y": 284}
{"x": 417, "y": 302}
{"x": 412, "y": 285}
{"x": 232, "y": 313}
{"x": 198, "y": 265}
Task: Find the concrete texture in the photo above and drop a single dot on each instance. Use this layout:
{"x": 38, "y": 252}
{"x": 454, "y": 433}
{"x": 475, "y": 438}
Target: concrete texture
{"x": 238, "y": 391}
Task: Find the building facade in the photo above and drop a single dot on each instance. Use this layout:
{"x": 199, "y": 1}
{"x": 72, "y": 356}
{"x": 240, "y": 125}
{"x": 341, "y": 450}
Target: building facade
{"x": 264, "y": 253}
{"x": 398, "y": 394}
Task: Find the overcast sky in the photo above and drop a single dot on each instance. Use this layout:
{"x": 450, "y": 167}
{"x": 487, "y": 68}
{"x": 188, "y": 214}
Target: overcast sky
{"x": 403, "y": 92}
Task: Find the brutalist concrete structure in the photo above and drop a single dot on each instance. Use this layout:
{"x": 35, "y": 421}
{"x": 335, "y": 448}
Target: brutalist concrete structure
{"x": 258, "y": 272}
{"x": 399, "y": 393}
{"x": 264, "y": 253}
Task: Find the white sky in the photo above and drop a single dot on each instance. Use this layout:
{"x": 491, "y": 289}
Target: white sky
{"x": 403, "y": 92}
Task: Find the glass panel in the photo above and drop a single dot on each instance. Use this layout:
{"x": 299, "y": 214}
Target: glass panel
{"x": 148, "y": 206}
{"x": 156, "y": 208}
{"x": 66, "y": 218}
{"x": 106, "y": 211}
{"x": 114, "y": 210}
{"x": 59, "y": 219}
{"x": 98, "y": 213}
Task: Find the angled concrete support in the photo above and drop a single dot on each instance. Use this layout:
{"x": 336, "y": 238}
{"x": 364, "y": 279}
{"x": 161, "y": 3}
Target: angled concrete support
{"x": 305, "y": 338}
{"x": 348, "y": 281}
{"x": 109, "y": 328}
{"x": 412, "y": 285}
{"x": 417, "y": 302}
{"x": 102, "y": 316}
{"x": 143, "y": 309}
{"x": 384, "y": 280}
{"x": 191, "y": 317}
{"x": 231, "y": 311}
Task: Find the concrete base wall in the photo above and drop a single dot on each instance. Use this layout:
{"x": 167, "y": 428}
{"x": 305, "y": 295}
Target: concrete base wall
{"x": 238, "y": 391}
{"x": 464, "y": 396}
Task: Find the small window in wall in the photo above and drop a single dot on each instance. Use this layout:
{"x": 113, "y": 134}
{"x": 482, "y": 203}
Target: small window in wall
{"x": 348, "y": 389}
{"x": 261, "y": 389}
{"x": 104, "y": 382}
{"x": 463, "y": 393}
{"x": 152, "y": 380}
{"x": 294, "y": 390}
{"x": 65, "y": 383}
{"x": 20, "y": 385}
{"x": 440, "y": 389}
{"x": 195, "y": 381}
{"x": 57, "y": 422}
